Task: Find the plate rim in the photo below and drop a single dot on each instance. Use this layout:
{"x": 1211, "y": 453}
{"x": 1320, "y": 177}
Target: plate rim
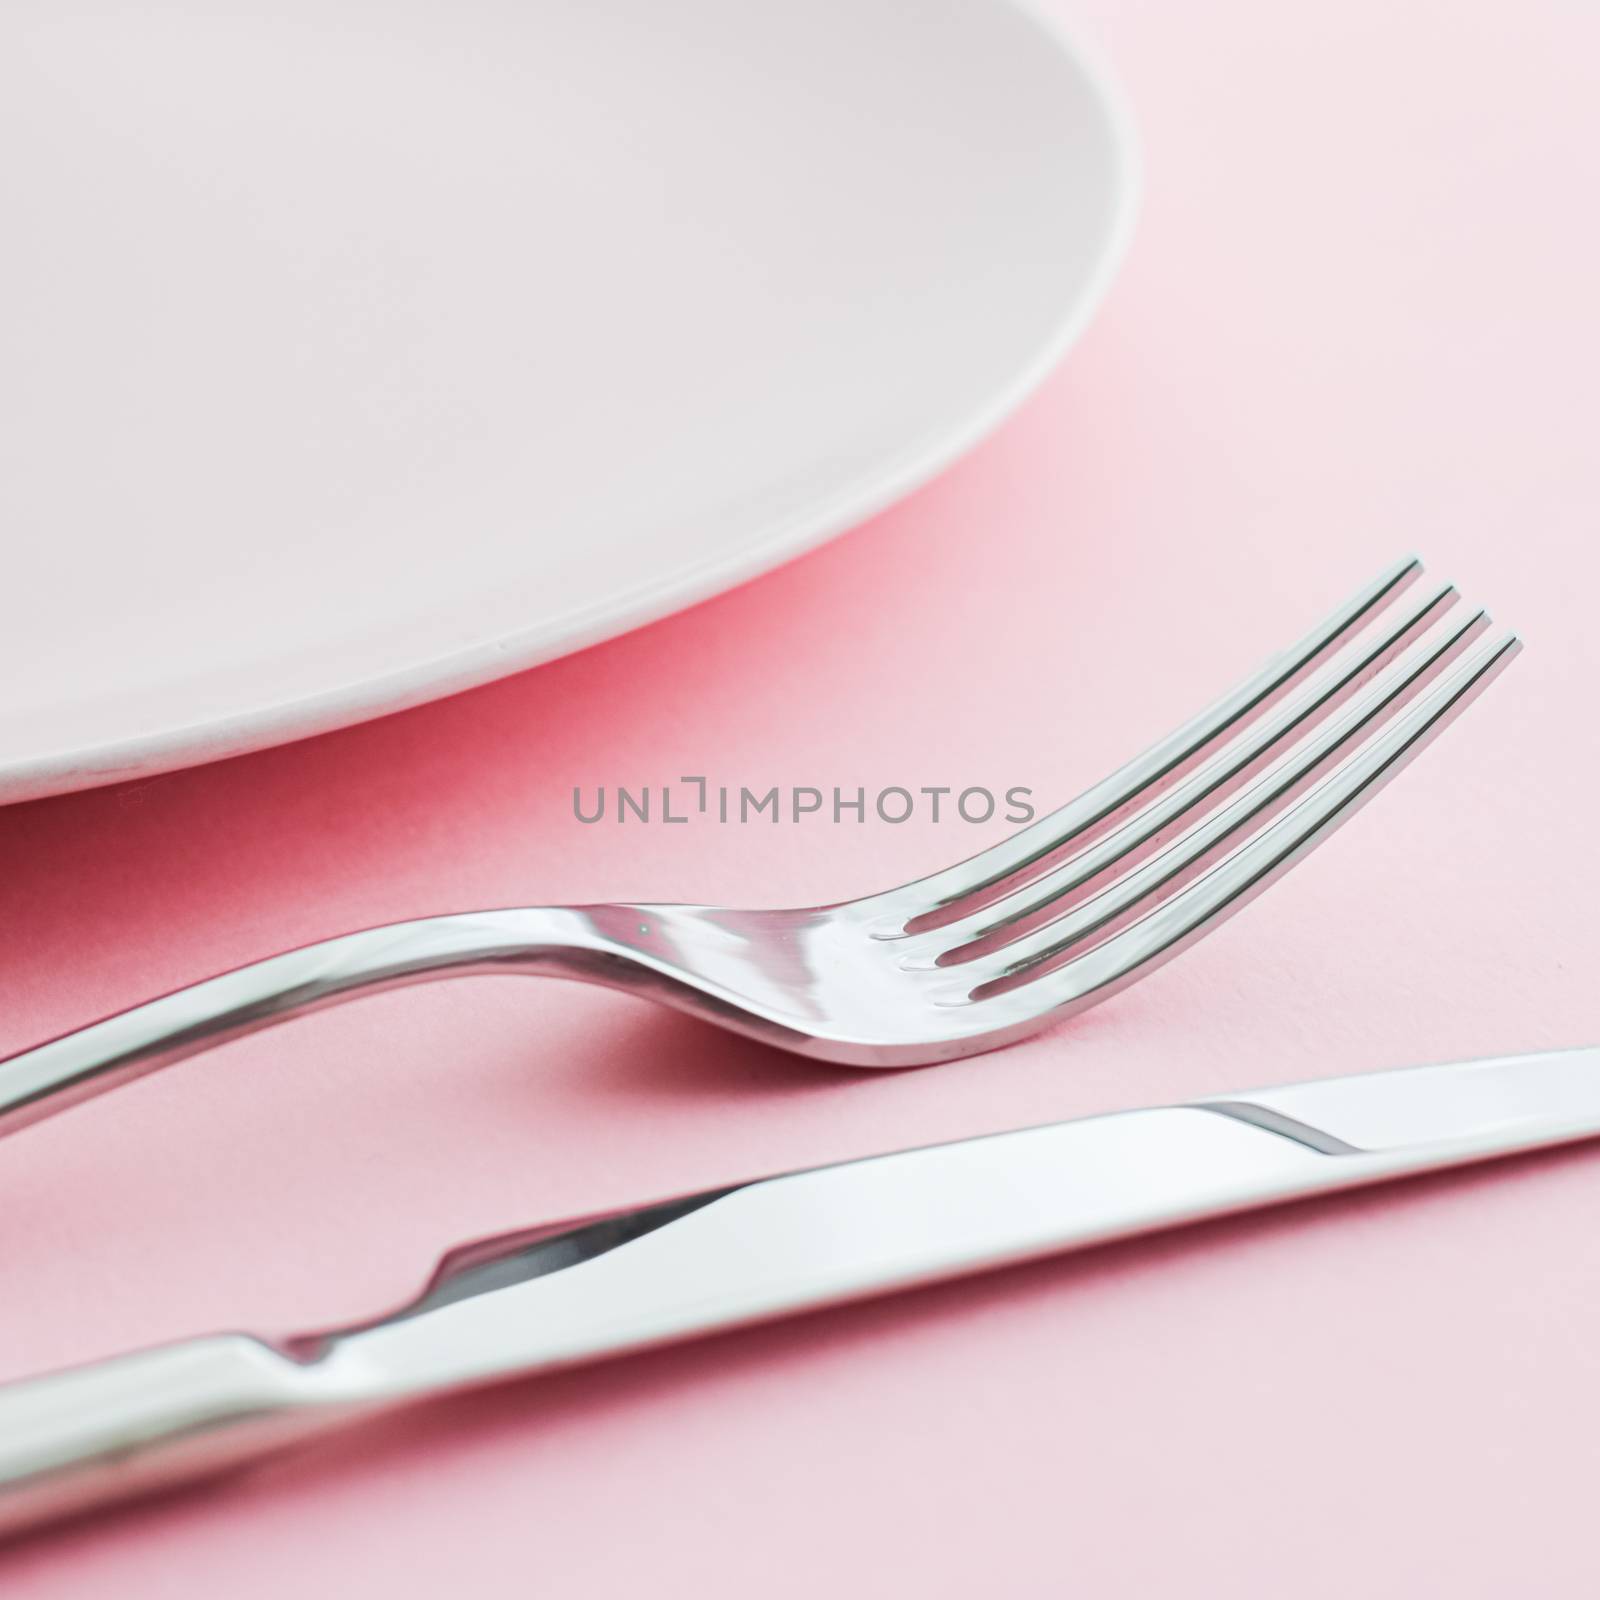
{"x": 437, "y": 677}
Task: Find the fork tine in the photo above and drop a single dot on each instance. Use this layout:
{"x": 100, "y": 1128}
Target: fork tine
{"x": 1251, "y": 868}
{"x": 1237, "y": 761}
{"x": 949, "y": 894}
{"x": 1003, "y": 951}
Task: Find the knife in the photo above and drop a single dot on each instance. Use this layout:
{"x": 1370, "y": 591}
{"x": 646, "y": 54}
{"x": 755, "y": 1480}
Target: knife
{"x": 578, "y": 1292}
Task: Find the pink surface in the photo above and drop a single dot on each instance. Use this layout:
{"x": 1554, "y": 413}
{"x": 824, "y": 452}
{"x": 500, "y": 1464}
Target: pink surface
{"x": 1359, "y": 318}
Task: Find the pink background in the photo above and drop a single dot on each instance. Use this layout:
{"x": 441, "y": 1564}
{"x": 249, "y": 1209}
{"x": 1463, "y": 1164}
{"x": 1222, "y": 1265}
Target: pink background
{"x": 1359, "y": 318}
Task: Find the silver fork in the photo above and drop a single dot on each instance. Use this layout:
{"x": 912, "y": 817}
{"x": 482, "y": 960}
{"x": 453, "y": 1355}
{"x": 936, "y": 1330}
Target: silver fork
{"x": 1048, "y": 922}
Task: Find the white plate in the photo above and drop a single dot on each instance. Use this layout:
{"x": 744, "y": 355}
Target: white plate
{"x": 356, "y": 351}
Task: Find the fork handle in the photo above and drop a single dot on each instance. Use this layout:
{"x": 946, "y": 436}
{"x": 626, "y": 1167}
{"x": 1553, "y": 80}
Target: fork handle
{"x": 79, "y": 1065}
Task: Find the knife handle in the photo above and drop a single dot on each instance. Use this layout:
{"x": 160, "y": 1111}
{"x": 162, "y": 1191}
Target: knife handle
{"x": 135, "y": 1424}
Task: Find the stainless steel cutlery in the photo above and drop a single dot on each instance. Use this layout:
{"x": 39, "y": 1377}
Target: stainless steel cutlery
{"x": 746, "y": 1252}
{"x": 1042, "y": 925}
{"x": 1050, "y": 921}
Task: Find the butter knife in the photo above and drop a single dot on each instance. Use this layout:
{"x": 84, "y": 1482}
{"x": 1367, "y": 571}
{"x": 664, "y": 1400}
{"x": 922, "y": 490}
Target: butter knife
{"x": 558, "y": 1296}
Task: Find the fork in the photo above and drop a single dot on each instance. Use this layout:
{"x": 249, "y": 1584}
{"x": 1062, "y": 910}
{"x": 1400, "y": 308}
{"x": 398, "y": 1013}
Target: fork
{"x": 1050, "y": 921}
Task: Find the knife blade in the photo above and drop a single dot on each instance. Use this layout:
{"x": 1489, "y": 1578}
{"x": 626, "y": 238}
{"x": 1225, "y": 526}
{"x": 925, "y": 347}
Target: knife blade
{"x": 728, "y": 1256}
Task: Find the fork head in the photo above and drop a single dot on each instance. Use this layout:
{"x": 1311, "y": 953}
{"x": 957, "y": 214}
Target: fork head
{"x": 1091, "y": 898}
